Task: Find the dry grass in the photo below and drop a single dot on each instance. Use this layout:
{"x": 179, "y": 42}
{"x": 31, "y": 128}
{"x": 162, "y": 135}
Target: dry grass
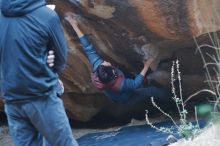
{"x": 210, "y": 137}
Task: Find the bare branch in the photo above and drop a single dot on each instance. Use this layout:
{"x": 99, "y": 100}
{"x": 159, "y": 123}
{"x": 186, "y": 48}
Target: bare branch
{"x": 204, "y": 90}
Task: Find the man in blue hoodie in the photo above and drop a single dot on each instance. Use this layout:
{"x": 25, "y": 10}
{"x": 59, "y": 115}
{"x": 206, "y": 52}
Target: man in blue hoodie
{"x": 28, "y": 85}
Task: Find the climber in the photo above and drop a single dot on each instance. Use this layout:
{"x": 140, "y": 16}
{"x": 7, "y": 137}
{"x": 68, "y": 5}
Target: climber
{"x": 112, "y": 81}
{"x": 28, "y": 85}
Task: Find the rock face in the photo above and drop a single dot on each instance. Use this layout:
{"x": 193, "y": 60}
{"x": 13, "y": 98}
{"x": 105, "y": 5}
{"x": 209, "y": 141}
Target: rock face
{"x": 120, "y": 29}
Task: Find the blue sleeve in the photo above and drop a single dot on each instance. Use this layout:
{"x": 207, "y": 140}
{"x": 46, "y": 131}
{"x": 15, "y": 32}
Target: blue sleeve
{"x": 58, "y": 43}
{"x": 131, "y": 84}
{"x": 94, "y": 59}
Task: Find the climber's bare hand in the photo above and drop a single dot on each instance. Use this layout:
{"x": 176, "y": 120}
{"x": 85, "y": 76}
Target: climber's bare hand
{"x": 148, "y": 61}
{"x": 105, "y": 63}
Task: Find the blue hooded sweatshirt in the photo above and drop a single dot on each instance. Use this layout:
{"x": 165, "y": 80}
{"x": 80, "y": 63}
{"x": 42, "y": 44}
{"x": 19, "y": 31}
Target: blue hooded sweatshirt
{"x": 28, "y": 29}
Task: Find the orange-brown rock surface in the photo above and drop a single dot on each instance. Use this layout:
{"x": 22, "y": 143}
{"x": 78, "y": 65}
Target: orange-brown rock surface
{"x": 119, "y": 29}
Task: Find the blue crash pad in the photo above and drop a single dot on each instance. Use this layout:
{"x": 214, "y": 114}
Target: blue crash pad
{"x": 142, "y": 135}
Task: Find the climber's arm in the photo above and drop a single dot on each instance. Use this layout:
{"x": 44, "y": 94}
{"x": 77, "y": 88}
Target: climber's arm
{"x": 94, "y": 59}
{"x": 131, "y": 84}
{"x": 147, "y": 64}
{"x": 74, "y": 24}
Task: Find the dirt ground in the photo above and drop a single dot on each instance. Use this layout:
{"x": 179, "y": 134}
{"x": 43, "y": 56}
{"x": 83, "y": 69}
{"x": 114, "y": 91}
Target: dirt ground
{"x": 5, "y": 139}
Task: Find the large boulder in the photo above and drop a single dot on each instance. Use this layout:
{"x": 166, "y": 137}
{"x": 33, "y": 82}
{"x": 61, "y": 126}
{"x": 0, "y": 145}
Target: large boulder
{"x": 120, "y": 30}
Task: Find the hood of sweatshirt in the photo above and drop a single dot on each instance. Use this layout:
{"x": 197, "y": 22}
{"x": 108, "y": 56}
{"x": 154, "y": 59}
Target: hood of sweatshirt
{"x": 17, "y": 8}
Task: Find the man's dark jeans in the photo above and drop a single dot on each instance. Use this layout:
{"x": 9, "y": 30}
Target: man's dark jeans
{"x": 29, "y": 121}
